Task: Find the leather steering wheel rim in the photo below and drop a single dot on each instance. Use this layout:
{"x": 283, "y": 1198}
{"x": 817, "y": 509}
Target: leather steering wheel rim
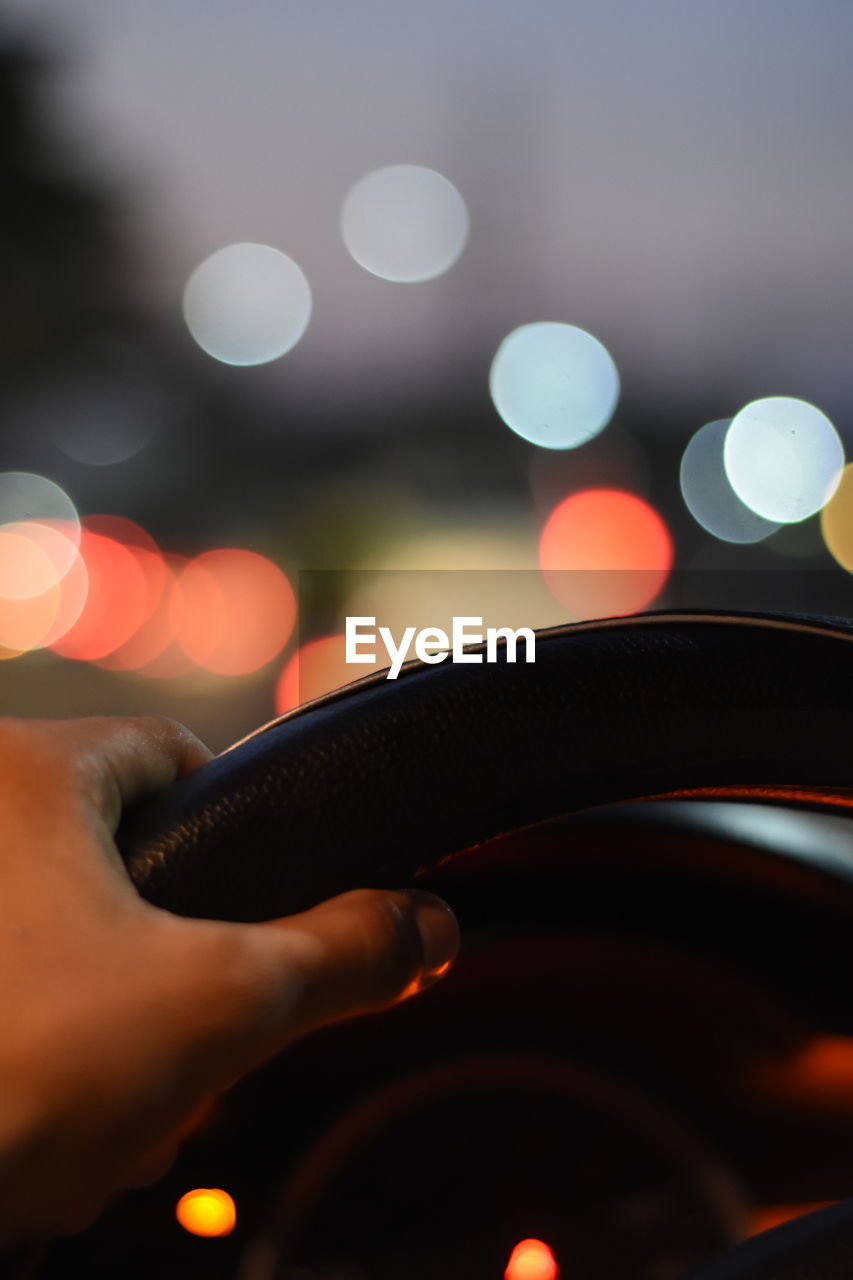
{"x": 381, "y": 778}
{"x": 368, "y": 785}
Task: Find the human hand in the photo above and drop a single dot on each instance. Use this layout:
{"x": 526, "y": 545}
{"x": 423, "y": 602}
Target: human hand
{"x": 119, "y": 1019}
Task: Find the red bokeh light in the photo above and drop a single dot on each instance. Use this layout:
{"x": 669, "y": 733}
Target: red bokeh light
{"x": 238, "y": 611}
{"x": 605, "y": 553}
{"x": 152, "y": 633}
{"x": 73, "y": 589}
{"x": 166, "y": 660}
{"x": 317, "y": 668}
{"x": 117, "y": 604}
{"x": 156, "y": 628}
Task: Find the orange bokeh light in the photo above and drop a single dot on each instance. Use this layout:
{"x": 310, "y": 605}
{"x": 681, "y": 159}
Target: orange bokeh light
{"x": 155, "y": 629}
{"x": 605, "y": 553}
{"x": 819, "y": 1075}
{"x": 147, "y": 639}
{"x": 27, "y": 562}
{"x": 73, "y": 590}
{"x": 25, "y": 620}
{"x": 43, "y": 585}
{"x": 238, "y": 610}
{"x": 207, "y": 1211}
{"x": 117, "y": 603}
{"x": 531, "y": 1260}
{"x": 317, "y": 668}
{"x": 170, "y": 662}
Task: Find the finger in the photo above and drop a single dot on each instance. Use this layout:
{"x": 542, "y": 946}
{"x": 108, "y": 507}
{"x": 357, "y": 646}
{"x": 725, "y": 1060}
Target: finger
{"x": 267, "y": 984}
{"x": 365, "y": 950}
{"x": 126, "y": 758}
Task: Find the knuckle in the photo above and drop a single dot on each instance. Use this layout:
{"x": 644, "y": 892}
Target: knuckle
{"x": 163, "y": 727}
{"x": 174, "y": 736}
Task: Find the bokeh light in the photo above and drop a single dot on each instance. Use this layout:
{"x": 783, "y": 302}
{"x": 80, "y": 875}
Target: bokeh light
{"x": 107, "y": 431}
{"x": 104, "y": 402}
{"x": 709, "y": 497}
{"x": 316, "y": 668}
{"x": 154, "y": 651}
{"x": 247, "y": 304}
{"x": 25, "y": 619}
{"x": 43, "y": 585}
{"x": 27, "y": 497}
{"x": 531, "y": 1260}
{"x": 605, "y": 553}
{"x": 836, "y": 521}
{"x": 238, "y": 611}
{"x": 783, "y": 458}
{"x": 33, "y": 558}
{"x": 155, "y": 628}
{"x": 73, "y": 592}
{"x": 117, "y": 603}
{"x": 554, "y": 384}
{"x": 207, "y": 1211}
{"x": 404, "y": 223}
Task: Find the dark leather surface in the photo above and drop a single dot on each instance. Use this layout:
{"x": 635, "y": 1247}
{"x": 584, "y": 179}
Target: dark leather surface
{"x": 369, "y": 784}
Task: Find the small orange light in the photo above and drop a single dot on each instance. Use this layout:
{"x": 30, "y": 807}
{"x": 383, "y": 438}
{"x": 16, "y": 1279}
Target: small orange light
{"x": 531, "y": 1260}
{"x": 207, "y": 1211}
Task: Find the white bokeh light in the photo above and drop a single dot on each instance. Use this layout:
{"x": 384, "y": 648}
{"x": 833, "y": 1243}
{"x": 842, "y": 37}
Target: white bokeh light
{"x": 27, "y": 496}
{"x": 40, "y": 534}
{"x": 106, "y": 425}
{"x": 27, "y": 499}
{"x": 554, "y": 384}
{"x": 404, "y": 223}
{"x": 105, "y": 405}
{"x": 709, "y": 497}
{"x": 247, "y": 304}
{"x": 783, "y": 458}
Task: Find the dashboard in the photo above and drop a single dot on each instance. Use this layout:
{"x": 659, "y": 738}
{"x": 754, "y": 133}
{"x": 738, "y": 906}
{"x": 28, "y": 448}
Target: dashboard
{"x": 643, "y": 1055}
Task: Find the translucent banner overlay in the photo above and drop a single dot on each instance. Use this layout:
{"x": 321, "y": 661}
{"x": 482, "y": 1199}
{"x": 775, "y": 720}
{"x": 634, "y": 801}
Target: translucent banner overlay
{"x": 355, "y": 623}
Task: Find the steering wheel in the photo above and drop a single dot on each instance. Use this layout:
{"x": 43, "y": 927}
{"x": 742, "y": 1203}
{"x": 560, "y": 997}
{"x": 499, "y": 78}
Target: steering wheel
{"x": 369, "y": 784}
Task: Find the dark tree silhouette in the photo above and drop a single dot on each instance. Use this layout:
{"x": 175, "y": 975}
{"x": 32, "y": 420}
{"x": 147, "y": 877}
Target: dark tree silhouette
{"x": 61, "y": 252}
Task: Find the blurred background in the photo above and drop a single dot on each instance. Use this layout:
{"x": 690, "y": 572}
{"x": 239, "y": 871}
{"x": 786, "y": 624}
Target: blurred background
{"x": 536, "y": 312}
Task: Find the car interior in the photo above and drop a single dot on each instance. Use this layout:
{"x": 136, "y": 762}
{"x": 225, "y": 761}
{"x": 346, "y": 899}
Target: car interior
{"x": 406, "y": 318}
{"x": 642, "y": 1057}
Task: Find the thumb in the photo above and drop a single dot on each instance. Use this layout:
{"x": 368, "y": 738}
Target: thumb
{"x": 353, "y": 954}
{"x": 365, "y": 950}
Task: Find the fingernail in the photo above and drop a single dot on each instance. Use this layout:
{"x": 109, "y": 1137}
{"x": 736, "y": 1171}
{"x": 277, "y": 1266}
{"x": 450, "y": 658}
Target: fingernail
{"x": 439, "y": 933}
